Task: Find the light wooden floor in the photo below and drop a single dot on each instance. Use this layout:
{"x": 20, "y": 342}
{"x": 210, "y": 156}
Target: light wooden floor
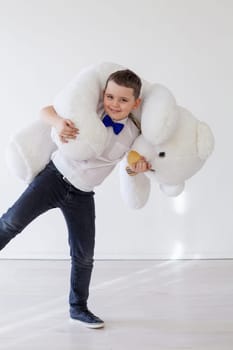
{"x": 146, "y": 305}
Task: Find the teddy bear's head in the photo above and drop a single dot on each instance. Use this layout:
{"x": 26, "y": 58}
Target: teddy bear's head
{"x": 181, "y": 153}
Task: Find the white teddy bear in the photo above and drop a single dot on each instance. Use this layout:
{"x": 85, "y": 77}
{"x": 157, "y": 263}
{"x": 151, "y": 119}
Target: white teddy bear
{"x": 175, "y": 143}
{"x": 173, "y": 161}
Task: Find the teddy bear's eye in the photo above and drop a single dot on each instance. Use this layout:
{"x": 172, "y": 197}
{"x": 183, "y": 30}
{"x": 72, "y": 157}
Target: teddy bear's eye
{"x": 162, "y": 154}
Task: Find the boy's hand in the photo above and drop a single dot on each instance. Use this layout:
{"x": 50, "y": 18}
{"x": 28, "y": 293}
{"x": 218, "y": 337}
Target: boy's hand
{"x": 140, "y": 166}
{"x": 66, "y": 129}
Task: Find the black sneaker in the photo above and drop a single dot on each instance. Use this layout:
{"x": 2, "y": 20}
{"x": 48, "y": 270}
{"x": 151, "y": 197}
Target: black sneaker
{"x": 88, "y": 319}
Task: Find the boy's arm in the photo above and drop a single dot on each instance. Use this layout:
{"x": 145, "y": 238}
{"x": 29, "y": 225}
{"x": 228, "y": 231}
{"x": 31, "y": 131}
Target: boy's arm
{"x": 65, "y": 127}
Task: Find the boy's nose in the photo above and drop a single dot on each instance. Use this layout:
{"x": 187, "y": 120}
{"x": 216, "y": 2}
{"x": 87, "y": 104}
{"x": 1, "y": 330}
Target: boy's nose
{"x": 115, "y": 103}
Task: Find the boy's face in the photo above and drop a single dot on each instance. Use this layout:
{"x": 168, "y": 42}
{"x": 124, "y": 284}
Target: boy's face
{"x": 119, "y": 101}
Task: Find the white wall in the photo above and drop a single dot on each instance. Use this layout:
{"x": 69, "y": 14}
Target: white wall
{"x": 185, "y": 45}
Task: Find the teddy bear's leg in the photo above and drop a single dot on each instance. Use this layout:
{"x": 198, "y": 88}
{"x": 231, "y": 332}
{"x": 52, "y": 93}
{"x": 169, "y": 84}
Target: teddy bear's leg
{"x": 79, "y": 101}
{"x": 29, "y": 150}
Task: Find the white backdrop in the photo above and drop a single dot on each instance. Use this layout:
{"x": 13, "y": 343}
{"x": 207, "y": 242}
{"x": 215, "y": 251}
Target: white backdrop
{"x": 185, "y": 45}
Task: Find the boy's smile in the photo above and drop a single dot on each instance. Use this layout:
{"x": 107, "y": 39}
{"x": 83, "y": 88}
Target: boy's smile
{"x": 119, "y": 101}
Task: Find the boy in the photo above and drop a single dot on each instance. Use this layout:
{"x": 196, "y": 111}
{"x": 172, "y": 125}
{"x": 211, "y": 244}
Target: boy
{"x": 68, "y": 185}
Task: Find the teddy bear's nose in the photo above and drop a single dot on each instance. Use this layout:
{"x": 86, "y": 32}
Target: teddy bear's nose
{"x": 162, "y": 154}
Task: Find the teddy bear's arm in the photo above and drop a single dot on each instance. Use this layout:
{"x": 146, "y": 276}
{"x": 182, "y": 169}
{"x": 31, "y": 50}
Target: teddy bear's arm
{"x": 135, "y": 190}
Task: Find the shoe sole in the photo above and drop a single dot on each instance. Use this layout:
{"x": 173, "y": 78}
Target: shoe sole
{"x": 88, "y": 325}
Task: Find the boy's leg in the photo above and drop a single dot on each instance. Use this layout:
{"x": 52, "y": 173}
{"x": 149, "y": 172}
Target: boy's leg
{"x": 39, "y": 196}
{"x": 79, "y": 212}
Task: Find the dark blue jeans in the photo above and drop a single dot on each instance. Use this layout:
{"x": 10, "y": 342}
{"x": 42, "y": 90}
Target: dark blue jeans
{"x": 47, "y": 191}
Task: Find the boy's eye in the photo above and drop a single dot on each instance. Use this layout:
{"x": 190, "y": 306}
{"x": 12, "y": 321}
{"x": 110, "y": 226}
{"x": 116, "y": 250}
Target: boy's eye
{"x": 110, "y": 97}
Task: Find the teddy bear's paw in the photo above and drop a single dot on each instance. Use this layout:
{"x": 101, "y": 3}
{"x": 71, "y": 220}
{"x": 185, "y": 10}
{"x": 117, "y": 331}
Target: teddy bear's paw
{"x": 172, "y": 190}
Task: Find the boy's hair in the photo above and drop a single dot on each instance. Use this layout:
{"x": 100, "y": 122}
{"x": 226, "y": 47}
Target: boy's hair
{"x": 126, "y": 78}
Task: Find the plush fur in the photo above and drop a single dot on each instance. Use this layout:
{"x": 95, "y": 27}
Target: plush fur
{"x": 29, "y": 150}
{"x": 174, "y": 160}
{"x": 167, "y": 130}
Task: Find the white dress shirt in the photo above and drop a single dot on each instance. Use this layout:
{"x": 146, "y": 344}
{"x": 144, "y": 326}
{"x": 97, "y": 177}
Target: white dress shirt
{"x": 87, "y": 174}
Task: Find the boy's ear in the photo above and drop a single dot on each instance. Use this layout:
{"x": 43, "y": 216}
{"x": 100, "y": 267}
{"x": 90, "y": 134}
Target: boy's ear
{"x": 137, "y": 103}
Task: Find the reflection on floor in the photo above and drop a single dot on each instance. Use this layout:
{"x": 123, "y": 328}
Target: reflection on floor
{"x": 186, "y": 304}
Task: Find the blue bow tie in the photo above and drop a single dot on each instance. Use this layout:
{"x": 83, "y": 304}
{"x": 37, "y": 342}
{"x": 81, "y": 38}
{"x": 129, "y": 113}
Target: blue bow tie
{"x": 117, "y": 127}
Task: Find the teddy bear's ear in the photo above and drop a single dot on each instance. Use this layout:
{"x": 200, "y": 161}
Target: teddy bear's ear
{"x": 205, "y": 141}
{"x": 159, "y": 114}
